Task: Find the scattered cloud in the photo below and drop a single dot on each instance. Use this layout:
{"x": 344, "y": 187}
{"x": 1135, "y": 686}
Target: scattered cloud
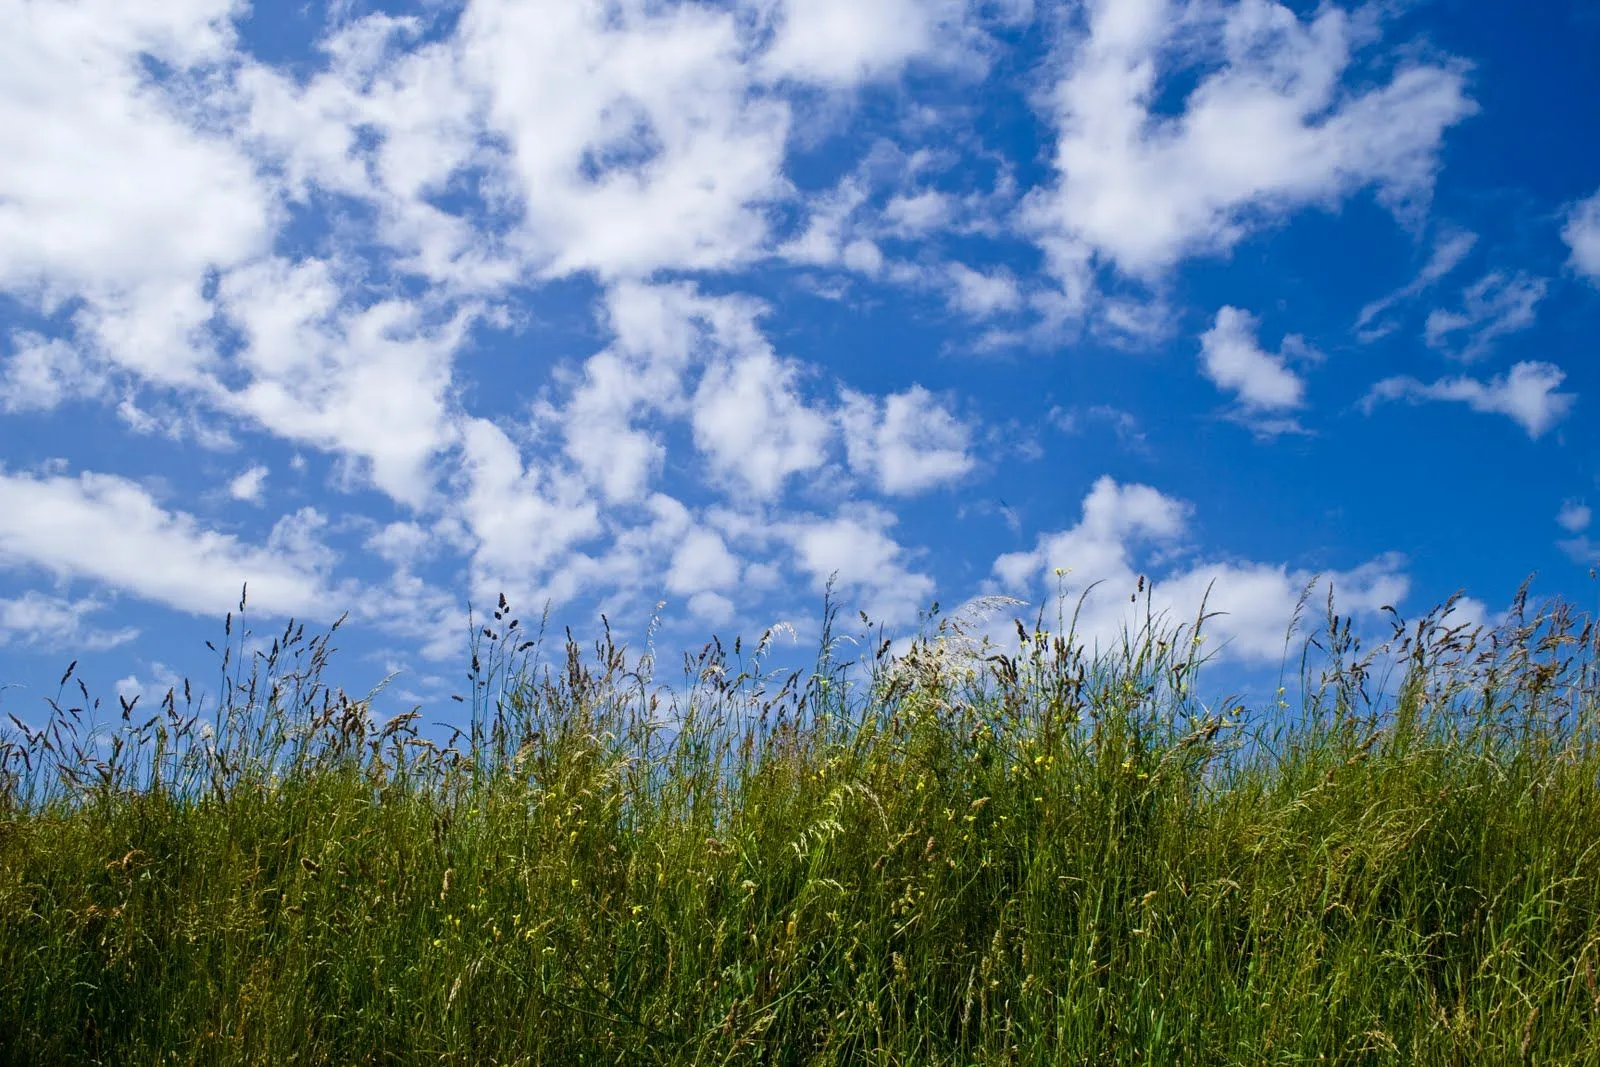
{"x": 1451, "y": 247}
{"x": 249, "y": 485}
{"x": 1492, "y": 307}
{"x": 1124, "y": 424}
{"x": 342, "y": 378}
{"x": 910, "y": 215}
{"x": 843, "y": 43}
{"x": 78, "y": 107}
{"x": 109, "y": 529}
{"x": 213, "y": 247}
{"x": 1582, "y": 234}
{"x": 1268, "y": 127}
{"x": 1262, "y": 381}
{"x": 1125, "y": 533}
{"x": 1527, "y": 394}
{"x": 520, "y": 517}
{"x": 982, "y": 295}
{"x": 753, "y": 426}
{"x": 58, "y": 624}
{"x": 1574, "y": 516}
{"x": 907, "y": 444}
{"x": 40, "y": 373}
{"x": 856, "y": 549}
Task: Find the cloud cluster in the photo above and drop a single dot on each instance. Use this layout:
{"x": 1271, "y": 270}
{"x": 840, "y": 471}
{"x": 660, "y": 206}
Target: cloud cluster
{"x": 1268, "y": 127}
{"x": 1129, "y": 532}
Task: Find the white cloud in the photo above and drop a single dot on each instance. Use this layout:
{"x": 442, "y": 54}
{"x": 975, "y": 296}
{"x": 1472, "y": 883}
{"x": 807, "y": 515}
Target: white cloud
{"x": 427, "y": 115}
{"x": 106, "y": 528}
{"x": 56, "y": 623}
{"x": 1574, "y": 516}
{"x": 1448, "y": 251}
{"x": 1527, "y": 394}
{"x": 402, "y": 543}
{"x": 369, "y": 383}
{"x": 712, "y": 609}
{"x": 663, "y": 334}
{"x": 843, "y": 43}
{"x": 907, "y": 444}
{"x": 753, "y": 427}
{"x": 916, "y": 215}
{"x": 1268, "y": 131}
{"x": 1232, "y": 359}
{"x": 1125, "y": 531}
{"x": 249, "y": 485}
{"x": 41, "y": 373}
{"x": 1495, "y": 305}
{"x": 1582, "y": 234}
{"x": 1583, "y": 550}
{"x": 522, "y": 518}
{"x": 982, "y": 295}
{"x": 636, "y": 139}
{"x": 1116, "y": 518}
{"x": 108, "y": 191}
{"x": 856, "y": 548}
{"x": 827, "y": 241}
{"x": 702, "y": 563}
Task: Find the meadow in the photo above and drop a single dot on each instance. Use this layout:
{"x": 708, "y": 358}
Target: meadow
{"x": 1062, "y": 855}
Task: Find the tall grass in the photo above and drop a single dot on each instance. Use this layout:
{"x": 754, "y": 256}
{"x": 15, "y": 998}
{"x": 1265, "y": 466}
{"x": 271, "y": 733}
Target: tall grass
{"x": 1047, "y": 857}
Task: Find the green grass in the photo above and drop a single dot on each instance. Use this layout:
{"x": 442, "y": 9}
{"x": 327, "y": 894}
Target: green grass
{"x": 1052, "y": 858}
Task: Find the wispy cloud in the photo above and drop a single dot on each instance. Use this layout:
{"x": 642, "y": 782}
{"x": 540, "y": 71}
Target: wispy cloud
{"x": 1449, "y": 250}
{"x": 1527, "y": 394}
{"x": 109, "y": 529}
{"x": 1494, "y": 306}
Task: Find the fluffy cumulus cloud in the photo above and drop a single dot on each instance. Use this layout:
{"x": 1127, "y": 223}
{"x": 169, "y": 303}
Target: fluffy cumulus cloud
{"x": 981, "y": 294}
{"x": 841, "y": 43}
{"x": 367, "y": 384}
{"x": 1132, "y": 535}
{"x": 1575, "y": 519}
{"x": 907, "y": 444}
{"x": 76, "y": 105}
{"x": 1263, "y": 381}
{"x": 1582, "y": 234}
{"x": 754, "y": 427}
{"x": 41, "y": 372}
{"x": 1526, "y": 394}
{"x": 249, "y": 485}
{"x": 521, "y": 514}
{"x": 1268, "y": 127}
{"x": 855, "y": 551}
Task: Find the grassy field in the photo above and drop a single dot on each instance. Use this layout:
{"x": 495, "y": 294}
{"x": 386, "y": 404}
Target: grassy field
{"x": 1053, "y": 857}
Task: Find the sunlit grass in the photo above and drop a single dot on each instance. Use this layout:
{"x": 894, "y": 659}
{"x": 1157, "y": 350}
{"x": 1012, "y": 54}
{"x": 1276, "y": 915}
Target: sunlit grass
{"x": 1042, "y": 858}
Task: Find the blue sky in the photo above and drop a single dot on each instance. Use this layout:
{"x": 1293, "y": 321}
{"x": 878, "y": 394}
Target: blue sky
{"x": 387, "y": 309}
